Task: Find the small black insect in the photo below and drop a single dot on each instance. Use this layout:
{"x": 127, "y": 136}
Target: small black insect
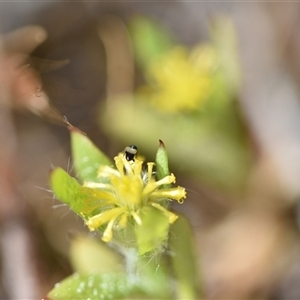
{"x": 130, "y": 152}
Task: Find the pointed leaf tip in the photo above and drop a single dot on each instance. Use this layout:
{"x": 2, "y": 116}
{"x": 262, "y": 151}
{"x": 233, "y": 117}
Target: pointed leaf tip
{"x": 161, "y": 144}
{"x": 72, "y": 128}
{"x": 87, "y": 157}
{"x": 162, "y": 165}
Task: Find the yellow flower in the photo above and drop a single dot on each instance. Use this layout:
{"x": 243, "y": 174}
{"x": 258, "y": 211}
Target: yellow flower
{"x": 128, "y": 190}
{"x": 179, "y": 80}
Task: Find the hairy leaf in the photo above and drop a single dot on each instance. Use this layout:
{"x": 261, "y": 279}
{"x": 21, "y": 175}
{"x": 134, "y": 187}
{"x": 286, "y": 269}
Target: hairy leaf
{"x": 162, "y": 166}
{"x": 86, "y": 156}
{"x": 90, "y": 256}
{"x": 69, "y": 191}
{"x": 184, "y": 261}
{"x": 153, "y": 231}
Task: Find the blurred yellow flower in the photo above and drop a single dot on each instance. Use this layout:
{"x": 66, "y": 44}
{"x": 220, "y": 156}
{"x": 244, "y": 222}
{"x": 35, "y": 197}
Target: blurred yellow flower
{"x": 179, "y": 79}
{"x": 129, "y": 189}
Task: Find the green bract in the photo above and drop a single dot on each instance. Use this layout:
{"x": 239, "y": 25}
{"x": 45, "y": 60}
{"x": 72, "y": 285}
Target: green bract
{"x": 87, "y": 158}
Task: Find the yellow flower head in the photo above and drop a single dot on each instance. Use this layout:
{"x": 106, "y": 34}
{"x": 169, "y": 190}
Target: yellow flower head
{"x": 126, "y": 191}
{"x": 181, "y": 80}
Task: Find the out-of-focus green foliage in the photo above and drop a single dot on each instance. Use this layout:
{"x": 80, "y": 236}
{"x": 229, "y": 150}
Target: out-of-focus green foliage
{"x": 216, "y": 151}
{"x": 223, "y": 36}
{"x": 189, "y": 100}
{"x": 181, "y": 244}
{"x": 149, "y": 40}
{"x": 90, "y": 256}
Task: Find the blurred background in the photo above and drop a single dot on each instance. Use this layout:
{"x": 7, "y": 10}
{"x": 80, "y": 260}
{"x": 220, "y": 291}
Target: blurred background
{"x": 217, "y": 82}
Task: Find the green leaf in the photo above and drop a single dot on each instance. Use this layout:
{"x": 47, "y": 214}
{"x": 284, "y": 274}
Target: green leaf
{"x": 93, "y": 287}
{"x": 108, "y": 286}
{"x": 65, "y": 187}
{"x": 184, "y": 261}
{"x": 149, "y": 40}
{"x": 68, "y": 190}
{"x": 153, "y": 231}
{"x": 162, "y": 165}
{"x": 153, "y": 269}
{"x": 90, "y": 256}
{"x": 86, "y": 156}
{"x": 220, "y": 154}
{"x": 224, "y": 37}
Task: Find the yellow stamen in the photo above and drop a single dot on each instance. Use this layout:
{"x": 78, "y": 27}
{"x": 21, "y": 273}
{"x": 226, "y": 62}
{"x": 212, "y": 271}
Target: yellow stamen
{"x": 107, "y": 234}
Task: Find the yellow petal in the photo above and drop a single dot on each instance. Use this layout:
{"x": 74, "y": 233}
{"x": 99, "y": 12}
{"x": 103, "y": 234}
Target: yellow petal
{"x": 153, "y": 185}
{"x": 122, "y": 222}
{"x": 150, "y": 169}
{"x": 137, "y": 167}
{"x": 107, "y": 171}
{"x": 177, "y": 194}
{"x": 103, "y": 218}
{"x": 166, "y": 180}
{"x": 119, "y": 163}
{"x": 136, "y": 218}
{"x": 108, "y": 232}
